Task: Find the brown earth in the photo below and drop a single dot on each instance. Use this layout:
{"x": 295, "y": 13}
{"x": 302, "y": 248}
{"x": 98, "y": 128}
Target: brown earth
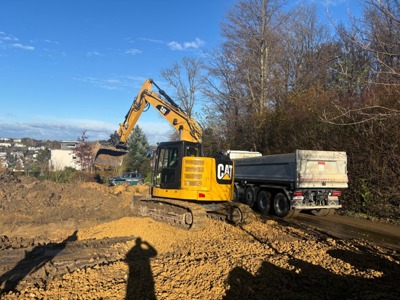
{"x": 82, "y": 241}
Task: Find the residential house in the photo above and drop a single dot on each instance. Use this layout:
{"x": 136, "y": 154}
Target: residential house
{"x": 64, "y": 157}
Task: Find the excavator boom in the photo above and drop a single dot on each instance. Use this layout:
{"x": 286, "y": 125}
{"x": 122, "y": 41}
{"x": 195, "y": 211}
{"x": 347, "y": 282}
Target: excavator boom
{"x": 111, "y": 154}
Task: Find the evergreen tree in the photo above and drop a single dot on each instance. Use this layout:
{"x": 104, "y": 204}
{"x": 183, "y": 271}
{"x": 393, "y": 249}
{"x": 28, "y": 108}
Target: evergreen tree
{"x": 137, "y": 159}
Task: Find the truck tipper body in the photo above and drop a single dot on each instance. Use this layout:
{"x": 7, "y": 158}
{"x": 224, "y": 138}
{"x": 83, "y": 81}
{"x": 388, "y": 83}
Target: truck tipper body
{"x": 286, "y": 184}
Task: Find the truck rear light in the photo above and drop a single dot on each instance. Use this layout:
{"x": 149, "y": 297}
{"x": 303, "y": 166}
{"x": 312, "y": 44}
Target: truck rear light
{"x": 297, "y": 193}
{"x": 337, "y": 193}
{"x": 201, "y": 195}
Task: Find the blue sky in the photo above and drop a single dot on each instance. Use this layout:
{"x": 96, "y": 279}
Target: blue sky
{"x": 68, "y": 66}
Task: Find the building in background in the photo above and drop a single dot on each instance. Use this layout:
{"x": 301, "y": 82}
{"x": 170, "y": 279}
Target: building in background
{"x": 64, "y": 157}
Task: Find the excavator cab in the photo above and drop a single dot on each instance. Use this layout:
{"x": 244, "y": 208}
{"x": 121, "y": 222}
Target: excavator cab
{"x": 169, "y": 162}
{"x": 182, "y": 172}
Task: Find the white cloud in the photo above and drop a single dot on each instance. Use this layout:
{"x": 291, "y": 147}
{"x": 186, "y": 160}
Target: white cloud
{"x": 24, "y": 47}
{"x": 152, "y": 40}
{"x": 334, "y": 2}
{"x": 73, "y": 128}
{"x": 10, "y": 41}
{"x": 133, "y": 51}
{"x": 105, "y": 83}
{"x": 51, "y": 42}
{"x": 197, "y": 43}
{"x": 113, "y": 82}
{"x": 46, "y": 131}
{"x": 5, "y": 37}
{"x": 175, "y": 46}
{"x": 94, "y": 53}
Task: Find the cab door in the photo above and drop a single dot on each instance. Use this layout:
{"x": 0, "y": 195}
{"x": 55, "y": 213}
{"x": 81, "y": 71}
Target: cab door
{"x": 168, "y": 172}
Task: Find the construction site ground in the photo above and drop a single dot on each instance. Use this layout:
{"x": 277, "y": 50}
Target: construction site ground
{"x": 84, "y": 241}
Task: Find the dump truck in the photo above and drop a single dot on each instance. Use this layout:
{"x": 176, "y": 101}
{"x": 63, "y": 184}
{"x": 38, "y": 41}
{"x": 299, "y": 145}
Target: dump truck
{"x": 285, "y": 184}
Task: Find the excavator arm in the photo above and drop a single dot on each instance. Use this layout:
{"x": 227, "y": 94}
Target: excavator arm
{"x": 189, "y": 130}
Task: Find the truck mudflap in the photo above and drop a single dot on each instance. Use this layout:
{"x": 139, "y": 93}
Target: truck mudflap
{"x": 189, "y": 215}
{"x": 315, "y": 210}
{"x": 299, "y": 207}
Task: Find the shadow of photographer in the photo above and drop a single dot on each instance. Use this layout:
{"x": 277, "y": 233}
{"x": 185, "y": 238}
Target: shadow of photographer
{"x": 140, "y": 278}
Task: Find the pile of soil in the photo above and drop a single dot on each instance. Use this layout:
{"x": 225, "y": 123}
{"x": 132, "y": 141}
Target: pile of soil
{"x": 69, "y": 241}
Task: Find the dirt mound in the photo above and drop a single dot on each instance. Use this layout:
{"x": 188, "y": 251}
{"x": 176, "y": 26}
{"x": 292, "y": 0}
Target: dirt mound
{"x": 6, "y": 177}
{"x": 28, "y": 201}
{"x": 114, "y": 255}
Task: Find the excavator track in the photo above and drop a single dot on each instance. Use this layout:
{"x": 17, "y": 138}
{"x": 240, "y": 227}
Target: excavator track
{"x": 179, "y": 213}
{"x": 189, "y": 215}
{"x": 235, "y": 213}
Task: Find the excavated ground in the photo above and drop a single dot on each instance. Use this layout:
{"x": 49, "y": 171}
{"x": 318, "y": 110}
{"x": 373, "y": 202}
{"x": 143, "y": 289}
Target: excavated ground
{"x": 68, "y": 241}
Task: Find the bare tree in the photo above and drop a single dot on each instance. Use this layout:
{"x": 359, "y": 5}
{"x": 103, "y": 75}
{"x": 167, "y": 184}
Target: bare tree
{"x": 379, "y": 33}
{"x": 308, "y": 49}
{"x": 242, "y": 81}
{"x": 252, "y": 46}
{"x": 186, "y": 79}
{"x": 376, "y": 36}
{"x": 226, "y": 97}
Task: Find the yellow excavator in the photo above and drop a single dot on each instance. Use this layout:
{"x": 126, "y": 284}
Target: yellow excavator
{"x": 187, "y": 187}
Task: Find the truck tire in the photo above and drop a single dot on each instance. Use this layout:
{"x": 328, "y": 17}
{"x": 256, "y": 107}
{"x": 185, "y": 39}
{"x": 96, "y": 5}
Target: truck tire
{"x": 264, "y": 202}
{"x": 281, "y": 205}
{"x": 292, "y": 214}
{"x": 331, "y": 211}
{"x": 250, "y": 196}
{"x": 320, "y": 212}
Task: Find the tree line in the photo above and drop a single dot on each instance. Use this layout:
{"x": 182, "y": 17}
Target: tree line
{"x": 281, "y": 79}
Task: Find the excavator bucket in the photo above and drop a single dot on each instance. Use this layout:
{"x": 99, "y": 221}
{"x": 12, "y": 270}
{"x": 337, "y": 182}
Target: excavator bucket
{"x": 107, "y": 156}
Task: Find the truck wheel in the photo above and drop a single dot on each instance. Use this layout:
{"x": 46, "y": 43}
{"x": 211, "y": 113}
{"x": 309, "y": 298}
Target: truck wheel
{"x": 293, "y": 214}
{"x": 249, "y": 196}
{"x": 264, "y": 202}
{"x": 331, "y": 211}
{"x": 320, "y": 212}
{"x": 281, "y": 205}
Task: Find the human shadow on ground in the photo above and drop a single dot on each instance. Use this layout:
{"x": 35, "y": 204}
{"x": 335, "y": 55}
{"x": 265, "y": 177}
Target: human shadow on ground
{"x": 308, "y": 281}
{"x": 32, "y": 262}
{"x": 140, "y": 278}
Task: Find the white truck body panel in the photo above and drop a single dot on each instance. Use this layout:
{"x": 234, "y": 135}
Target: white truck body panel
{"x": 303, "y": 168}
{"x": 323, "y": 169}
{"x": 235, "y": 154}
